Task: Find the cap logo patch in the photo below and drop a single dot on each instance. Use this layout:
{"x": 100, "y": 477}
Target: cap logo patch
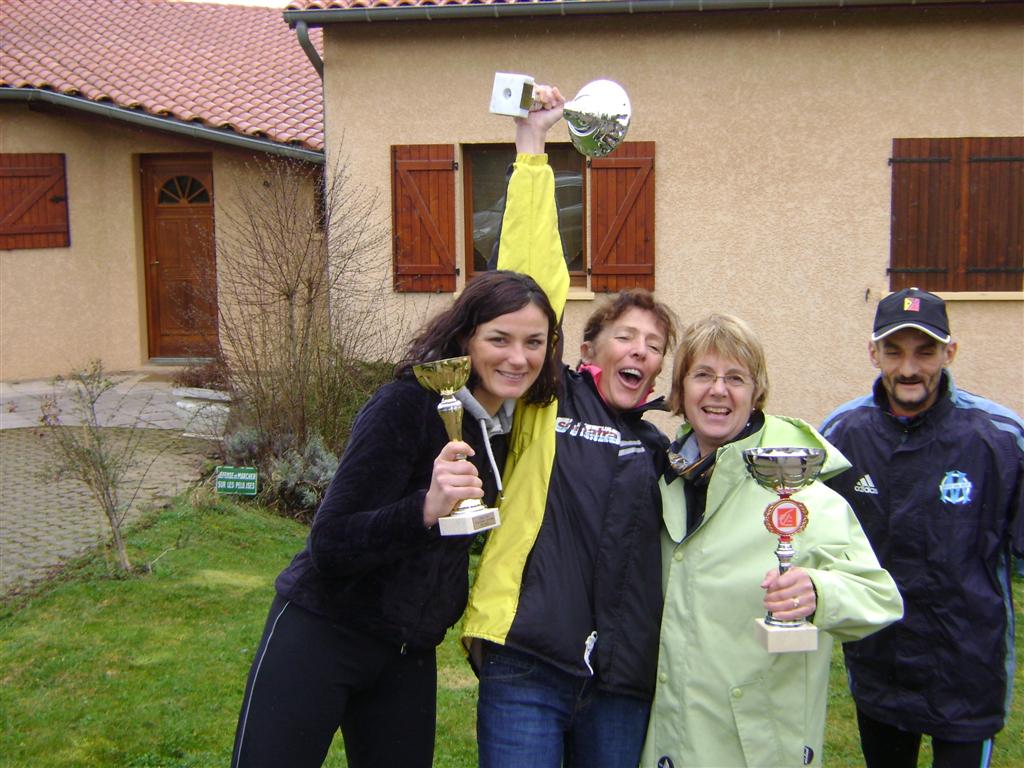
{"x": 911, "y": 305}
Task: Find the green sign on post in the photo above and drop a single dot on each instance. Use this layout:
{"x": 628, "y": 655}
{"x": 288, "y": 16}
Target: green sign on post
{"x": 240, "y": 481}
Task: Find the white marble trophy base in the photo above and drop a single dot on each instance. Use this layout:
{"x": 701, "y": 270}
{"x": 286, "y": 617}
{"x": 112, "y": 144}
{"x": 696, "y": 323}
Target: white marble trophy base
{"x": 511, "y": 94}
{"x": 786, "y": 639}
{"x": 468, "y": 523}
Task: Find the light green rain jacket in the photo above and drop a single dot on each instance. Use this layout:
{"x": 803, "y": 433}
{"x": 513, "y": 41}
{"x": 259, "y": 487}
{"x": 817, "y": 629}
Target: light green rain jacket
{"x": 721, "y": 699}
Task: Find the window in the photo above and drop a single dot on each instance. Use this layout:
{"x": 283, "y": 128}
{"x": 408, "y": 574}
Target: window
{"x": 611, "y": 197}
{"x": 33, "y": 201}
{"x": 183, "y": 190}
{"x": 957, "y": 214}
{"x": 485, "y": 172}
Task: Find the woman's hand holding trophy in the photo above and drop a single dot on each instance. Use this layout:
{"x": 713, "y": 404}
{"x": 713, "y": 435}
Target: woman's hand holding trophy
{"x": 598, "y": 117}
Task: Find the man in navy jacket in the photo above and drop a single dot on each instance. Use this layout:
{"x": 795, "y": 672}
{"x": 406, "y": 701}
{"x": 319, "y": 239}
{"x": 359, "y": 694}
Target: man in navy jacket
{"x": 938, "y": 485}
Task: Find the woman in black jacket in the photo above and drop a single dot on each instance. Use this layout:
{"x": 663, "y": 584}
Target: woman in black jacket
{"x": 351, "y": 635}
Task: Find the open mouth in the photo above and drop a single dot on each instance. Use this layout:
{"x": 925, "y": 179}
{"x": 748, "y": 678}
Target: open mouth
{"x": 631, "y": 377}
{"x": 711, "y": 410}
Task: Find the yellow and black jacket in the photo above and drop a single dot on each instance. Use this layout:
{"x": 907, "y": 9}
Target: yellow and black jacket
{"x": 572, "y": 576}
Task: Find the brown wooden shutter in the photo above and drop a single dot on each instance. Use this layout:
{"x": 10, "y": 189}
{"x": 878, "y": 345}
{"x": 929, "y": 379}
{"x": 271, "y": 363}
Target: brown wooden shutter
{"x": 925, "y": 209}
{"x": 958, "y": 214}
{"x": 622, "y": 218}
{"x": 33, "y": 201}
{"x": 993, "y": 243}
{"x": 423, "y": 217}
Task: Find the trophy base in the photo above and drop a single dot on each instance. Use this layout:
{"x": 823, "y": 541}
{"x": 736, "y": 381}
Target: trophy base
{"x": 786, "y": 639}
{"x": 468, "y": 523}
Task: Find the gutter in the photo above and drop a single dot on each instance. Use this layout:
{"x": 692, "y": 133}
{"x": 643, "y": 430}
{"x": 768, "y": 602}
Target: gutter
{"x": 172, "y": 125}
{"x": 319, "y": 17}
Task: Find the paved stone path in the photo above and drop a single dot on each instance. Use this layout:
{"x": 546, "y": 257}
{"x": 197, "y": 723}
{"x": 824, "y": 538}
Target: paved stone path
{"x": 43, "y": 522}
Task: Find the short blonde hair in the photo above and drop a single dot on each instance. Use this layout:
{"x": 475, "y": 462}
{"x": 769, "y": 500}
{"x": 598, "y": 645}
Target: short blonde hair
{"x": 725, "y": 336}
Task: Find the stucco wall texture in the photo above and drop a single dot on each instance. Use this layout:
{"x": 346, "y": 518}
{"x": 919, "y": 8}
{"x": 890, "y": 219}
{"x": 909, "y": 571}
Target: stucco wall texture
{"x": 773, "y": 131}
{"x": 62, "y": 307}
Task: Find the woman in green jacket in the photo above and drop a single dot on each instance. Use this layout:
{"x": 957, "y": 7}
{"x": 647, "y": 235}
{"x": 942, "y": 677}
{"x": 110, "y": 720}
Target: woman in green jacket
{"x": 721, "y": 698}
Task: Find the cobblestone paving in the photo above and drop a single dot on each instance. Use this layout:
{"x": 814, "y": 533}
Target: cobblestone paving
{"x": 43, "y": 522}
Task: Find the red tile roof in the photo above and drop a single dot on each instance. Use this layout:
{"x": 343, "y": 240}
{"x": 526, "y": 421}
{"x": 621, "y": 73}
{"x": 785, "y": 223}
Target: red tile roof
{"x": 223, "y": 66}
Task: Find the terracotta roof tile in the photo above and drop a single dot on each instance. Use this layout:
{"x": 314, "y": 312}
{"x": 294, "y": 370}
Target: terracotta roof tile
{"x": 219, "y": 65}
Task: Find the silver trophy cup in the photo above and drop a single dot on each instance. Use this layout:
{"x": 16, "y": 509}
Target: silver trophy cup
{"x": 784, "y": 471}
{"x": 598, "y": 117}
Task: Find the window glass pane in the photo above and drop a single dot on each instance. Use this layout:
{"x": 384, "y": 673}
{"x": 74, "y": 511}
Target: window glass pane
{"x": 183, "y": 190}
{"x": 488, "y": 166}
{"x": 567, "y": 164}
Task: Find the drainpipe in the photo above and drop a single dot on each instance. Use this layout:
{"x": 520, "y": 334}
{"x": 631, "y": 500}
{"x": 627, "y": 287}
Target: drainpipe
{"x": 307, "y": 45}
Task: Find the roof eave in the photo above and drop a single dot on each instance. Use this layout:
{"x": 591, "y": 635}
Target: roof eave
{"x": 168, "y": 124}
{"x": 320, "y": 17}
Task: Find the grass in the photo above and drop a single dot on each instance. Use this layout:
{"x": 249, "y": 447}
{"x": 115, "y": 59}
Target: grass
{"x": 149, "y": 671}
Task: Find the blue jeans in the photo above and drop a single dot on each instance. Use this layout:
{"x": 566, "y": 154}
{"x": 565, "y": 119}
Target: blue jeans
{"x": 530, "y": 713}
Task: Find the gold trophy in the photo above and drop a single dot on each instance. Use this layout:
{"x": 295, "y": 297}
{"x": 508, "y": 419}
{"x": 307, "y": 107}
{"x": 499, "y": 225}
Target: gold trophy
{"x": 785, "y": 471}
{"x": 445, "y": 377}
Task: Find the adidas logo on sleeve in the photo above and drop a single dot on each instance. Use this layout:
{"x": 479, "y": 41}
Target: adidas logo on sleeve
{"x": 866, "y": 485}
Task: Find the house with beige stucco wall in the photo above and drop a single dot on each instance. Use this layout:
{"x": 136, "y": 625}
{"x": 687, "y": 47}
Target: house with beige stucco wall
{"x": 790, "y": 165}
{"x": 127, "y": 130}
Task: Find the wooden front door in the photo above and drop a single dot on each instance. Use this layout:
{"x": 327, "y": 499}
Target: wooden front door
{"x": 181, "y": 277}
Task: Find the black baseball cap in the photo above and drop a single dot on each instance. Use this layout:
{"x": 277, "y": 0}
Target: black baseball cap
{"x": 912, "y": 308}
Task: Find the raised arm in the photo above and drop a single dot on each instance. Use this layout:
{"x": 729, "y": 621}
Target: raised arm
{"x": 530, "y": 242}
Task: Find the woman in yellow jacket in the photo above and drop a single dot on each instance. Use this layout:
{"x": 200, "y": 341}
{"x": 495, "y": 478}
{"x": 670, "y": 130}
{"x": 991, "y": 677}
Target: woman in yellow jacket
{"x": 564, "y": 614}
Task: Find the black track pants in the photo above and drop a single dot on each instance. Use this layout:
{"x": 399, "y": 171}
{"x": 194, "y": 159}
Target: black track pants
{"x": 311, "y": 677}
{"x": 886, "y": 746}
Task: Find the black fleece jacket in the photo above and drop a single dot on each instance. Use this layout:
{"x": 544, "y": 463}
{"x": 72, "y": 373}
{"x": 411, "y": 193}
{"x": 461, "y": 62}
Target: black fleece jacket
{"x": 369, "y": 562}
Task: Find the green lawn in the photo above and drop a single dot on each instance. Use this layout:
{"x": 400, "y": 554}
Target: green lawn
{"x": 96, "y": 671}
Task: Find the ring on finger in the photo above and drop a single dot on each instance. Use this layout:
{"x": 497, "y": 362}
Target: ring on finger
{"x": 796, "y": 602}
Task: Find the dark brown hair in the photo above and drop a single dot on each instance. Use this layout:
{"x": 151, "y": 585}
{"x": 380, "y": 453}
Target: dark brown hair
{"x": 487, "y": 296}
{"x": 622, "y": 302}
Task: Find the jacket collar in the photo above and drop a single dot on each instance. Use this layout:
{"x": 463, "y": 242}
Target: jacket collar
{"x": 656, "y": 404}
{"x": 730, "y": 474}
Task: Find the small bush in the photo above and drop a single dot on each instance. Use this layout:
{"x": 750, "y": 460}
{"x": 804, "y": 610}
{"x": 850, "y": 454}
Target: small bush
{"x": 244, "y": 447}
{"x": 208, "y": 374}
{"x": 298, "y": 479}
{"x": 295, "y": 471}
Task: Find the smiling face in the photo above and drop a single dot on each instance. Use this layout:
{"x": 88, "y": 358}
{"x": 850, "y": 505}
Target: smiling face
{"x": 911, "y": 364}
{"x": 508, "y": 354}
{"x": 629, "y": 350}
{"x": 716, "y": 404}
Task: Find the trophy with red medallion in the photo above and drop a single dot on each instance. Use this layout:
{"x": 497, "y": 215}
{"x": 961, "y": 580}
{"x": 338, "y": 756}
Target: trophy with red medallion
{"x": 785, "y": 471}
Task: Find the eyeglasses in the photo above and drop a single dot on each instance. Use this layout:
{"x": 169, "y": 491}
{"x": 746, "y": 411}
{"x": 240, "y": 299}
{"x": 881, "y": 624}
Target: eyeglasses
{"x": 731, "y": 380}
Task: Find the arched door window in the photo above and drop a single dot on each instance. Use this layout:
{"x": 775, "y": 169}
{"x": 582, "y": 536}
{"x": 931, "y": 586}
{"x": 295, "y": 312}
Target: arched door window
{"x": 183, "y": 190}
